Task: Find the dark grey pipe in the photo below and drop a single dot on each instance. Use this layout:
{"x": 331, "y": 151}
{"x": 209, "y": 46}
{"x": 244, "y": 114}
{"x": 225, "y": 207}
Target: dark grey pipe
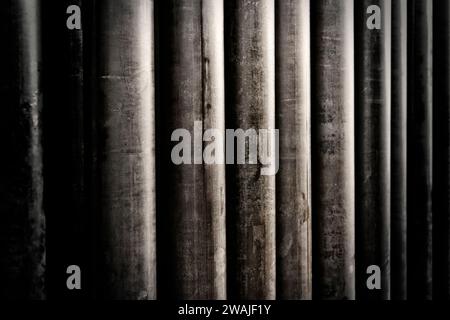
{"x": 193, "y": 99}
{"x": 293, "y": 189}
{"x": 125, "y": 165}
{"x": 22, "y": 231}
{"x": 399, "y": 151}
{"x": 250, "y": 32}
{"x": 420, "y": 103}
{"x": 373, "y": 138}
{"x": 333, "y": 156}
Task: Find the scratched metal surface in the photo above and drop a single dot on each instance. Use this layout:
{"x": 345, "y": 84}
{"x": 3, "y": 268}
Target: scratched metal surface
{"x": 125, "y": 158}
{"x": 333, "y": 155}
{"x": 293, "y": 188}
{"x": 192, "y": 82}
{"x": 251, "y": 104}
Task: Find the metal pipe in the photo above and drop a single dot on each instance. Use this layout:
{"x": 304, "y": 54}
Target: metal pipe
{"x": 333, "y": 155}
{"x": 250, "y": 36}
{"x": 193, "y": 99}
{"x": 373, "y": 138}
{"x": 125, "y": 160}
{"x": 22, "y": 231}
{"x": 399, "y": 151}
{"x": 293, "y": 188}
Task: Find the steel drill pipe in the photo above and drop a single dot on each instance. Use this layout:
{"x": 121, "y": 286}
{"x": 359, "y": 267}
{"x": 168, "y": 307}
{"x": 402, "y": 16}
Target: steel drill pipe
{"x": 22, "y": 231}
{"x": 399, "y": 151}
{"x": 420, "y": 170}
{"x": 333, "y": 155}
{"x": 373, "y": 138}
{"x": 124, "y": 156}
{"x": 194, "y": 100}
{"x": 293, "y": 188}
{"x": 250, "y": 36}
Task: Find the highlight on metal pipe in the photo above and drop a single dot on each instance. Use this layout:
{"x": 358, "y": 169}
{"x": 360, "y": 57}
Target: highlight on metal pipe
{"x": 293, "y": 116}
{"x": 124, "y": 159}
{"x": 333, "y": 155}
{"x": 22, "y": 230}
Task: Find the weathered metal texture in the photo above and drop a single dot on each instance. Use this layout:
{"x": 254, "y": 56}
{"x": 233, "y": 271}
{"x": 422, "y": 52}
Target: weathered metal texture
{"x": 420, "y": 103}
{"x": 64, "y": 142}
{"x": 250, "y": 32}
{"x": 373, "y": 146}
{"x": 293, "y": 188}
{"x": 420, "y": 150}
{"x": 398, "y": 150}
{"x": 195, "y": 93}
{"x": 441, "y": 151}
{"x": 124, "y": 119}
{"x": 22, "y": 230}
{"x": 333, "y": 155}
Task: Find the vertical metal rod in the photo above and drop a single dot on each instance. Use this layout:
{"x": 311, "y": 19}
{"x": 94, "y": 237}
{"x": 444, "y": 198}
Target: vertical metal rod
{"x": 22, "y": 231}
{"x": 251, "y": 105}
{"x": 124, "y": 118}
{"x": 194, "y": 100}
{"x": 441, "y": 151}
{"x": 420, "y": 103}
{"x": 399, "y": 151}
{"x": 293, "y": 188}
{"x": 333, "y": 156}
{"x": 373, "y": 136}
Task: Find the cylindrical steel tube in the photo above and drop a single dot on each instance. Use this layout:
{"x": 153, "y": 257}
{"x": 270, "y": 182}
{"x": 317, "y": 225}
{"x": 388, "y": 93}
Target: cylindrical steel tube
{"x": 22, "y": 230}
{"x": 124, "y": 135}
{"x": 250, "y": 32}
{"x": 373, "y": 138}
{"x": 333, "y": 156}
{"x": 398, "y": 150}
{"x": 293, "y": 188}
{"x": 193, "y": 100}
